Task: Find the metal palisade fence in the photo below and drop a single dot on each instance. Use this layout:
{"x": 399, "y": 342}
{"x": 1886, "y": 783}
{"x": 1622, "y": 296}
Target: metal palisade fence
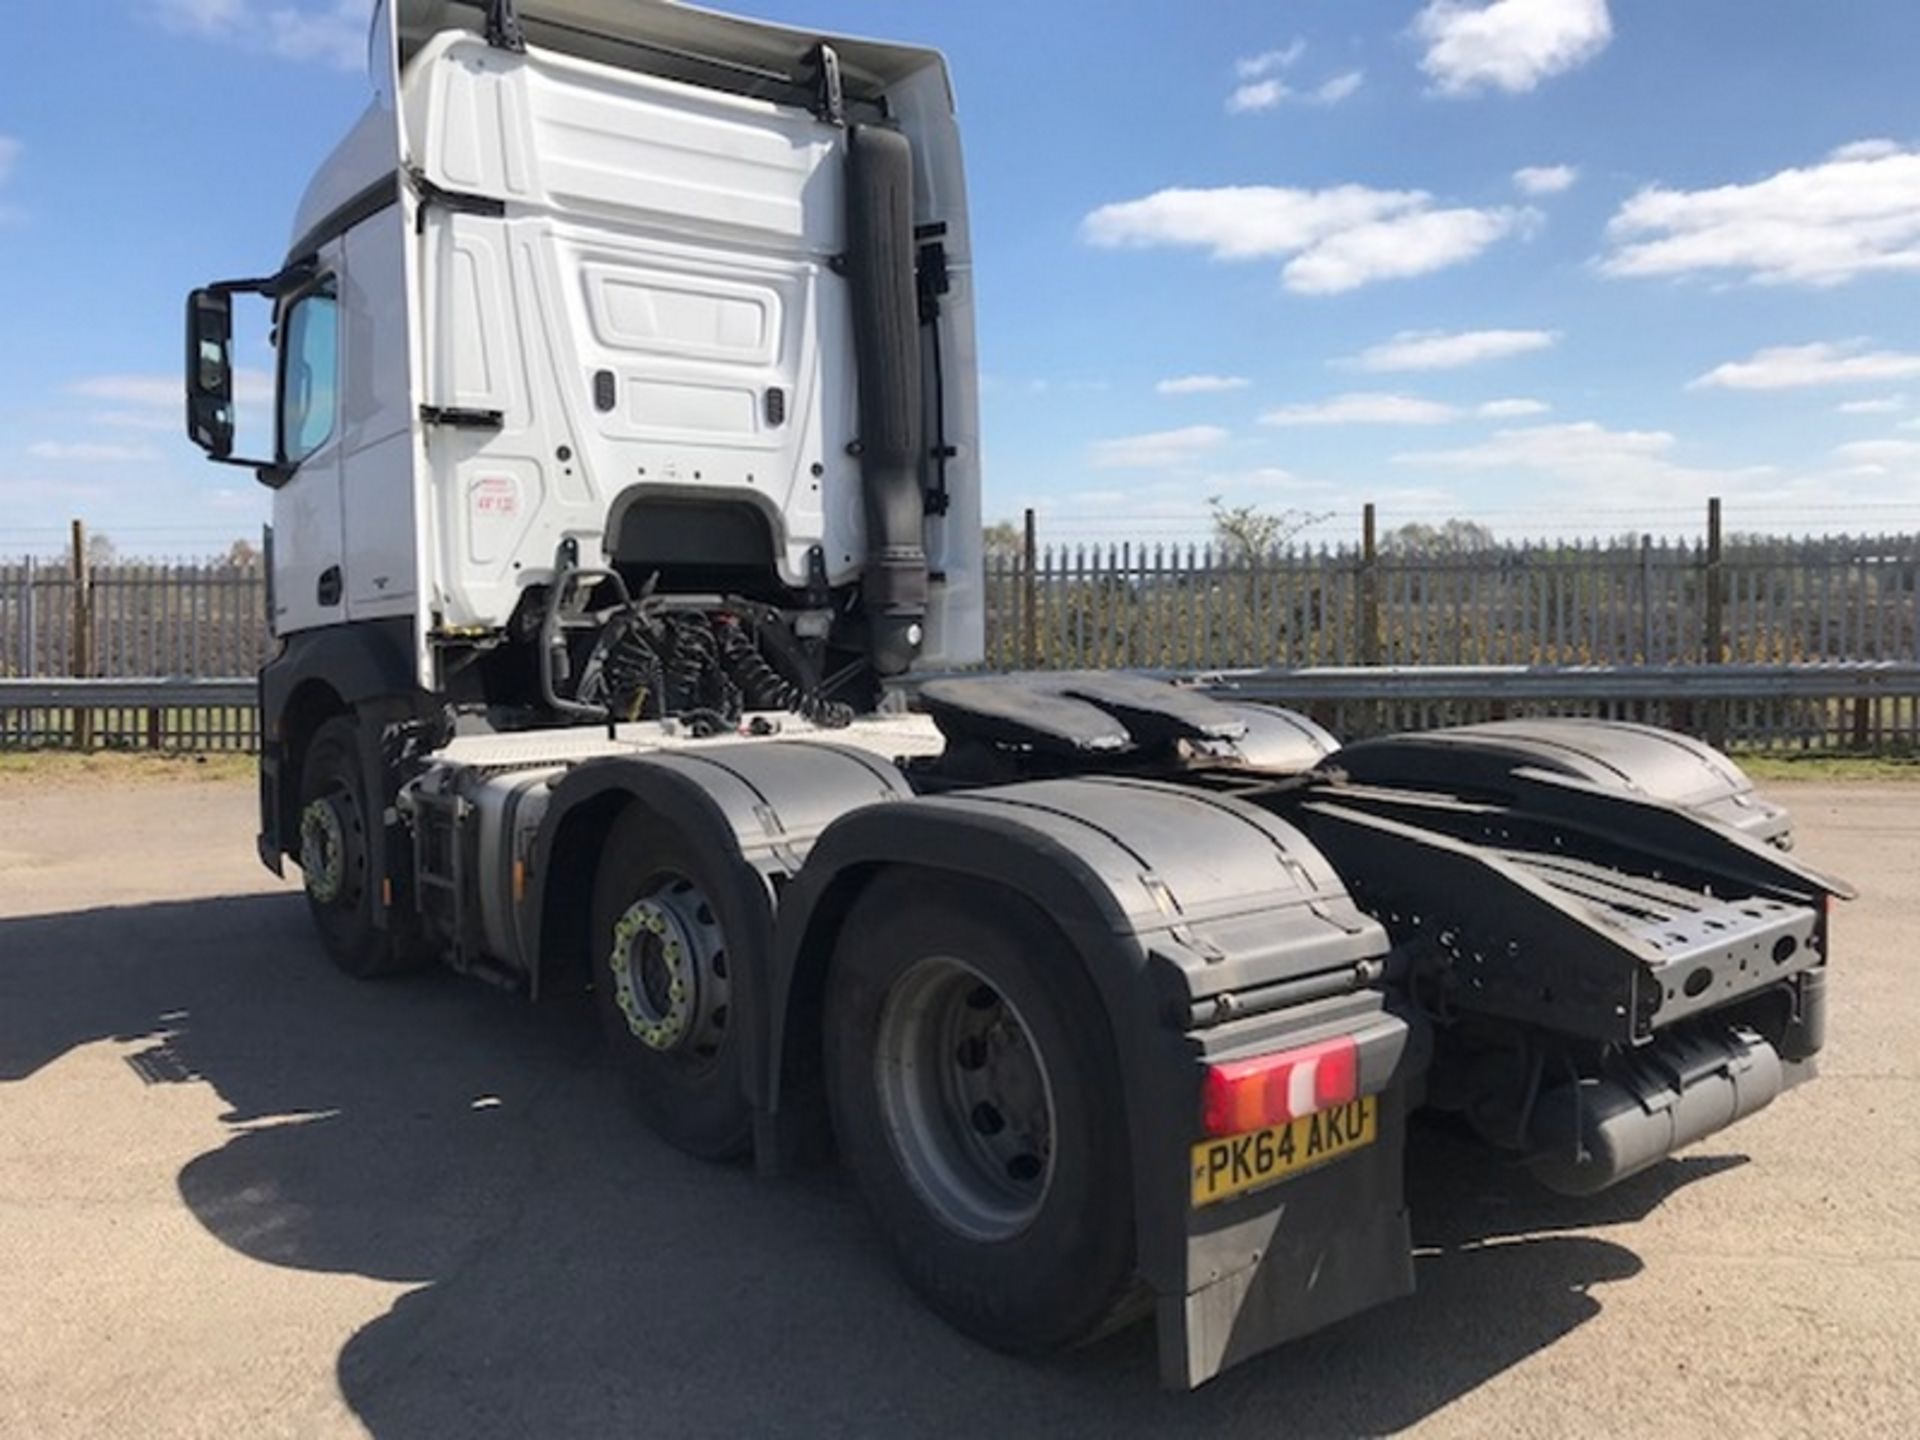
{"x": 1640, "y": 603}
{"x": 1840, "y": 599}
{"x": 127, "y": 620}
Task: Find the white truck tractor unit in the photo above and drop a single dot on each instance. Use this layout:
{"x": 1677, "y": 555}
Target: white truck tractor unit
{"x": 627, "y": 461}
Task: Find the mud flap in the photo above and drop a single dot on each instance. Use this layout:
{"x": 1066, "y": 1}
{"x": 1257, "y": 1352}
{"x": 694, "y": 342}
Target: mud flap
{"x": 1307, "y": 1250}
{"x": 1280, "y": 1263}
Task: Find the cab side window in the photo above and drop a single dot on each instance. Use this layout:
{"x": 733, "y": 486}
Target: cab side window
{"x": 309, "y": 373}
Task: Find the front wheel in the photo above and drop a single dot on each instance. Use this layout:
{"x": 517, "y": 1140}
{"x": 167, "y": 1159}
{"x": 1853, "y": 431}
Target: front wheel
{"x": 976, "y": 1097}
{"x": 338, "y": 808}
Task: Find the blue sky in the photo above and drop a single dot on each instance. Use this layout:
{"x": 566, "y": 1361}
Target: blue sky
{"x": 1561, "y": 265}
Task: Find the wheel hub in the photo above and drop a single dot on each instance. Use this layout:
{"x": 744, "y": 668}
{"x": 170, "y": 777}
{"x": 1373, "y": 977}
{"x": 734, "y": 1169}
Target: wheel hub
{"x": 669, "y": 969}
{"x": 323, "y": 850}
{"x": 966, "y": 1098}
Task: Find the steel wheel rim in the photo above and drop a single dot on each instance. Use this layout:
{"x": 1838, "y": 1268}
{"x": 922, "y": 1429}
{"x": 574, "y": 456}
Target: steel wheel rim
{"x": 329, "y": 858}
{"x": 669, "y": 969}
{"x": 966, "y": 1099}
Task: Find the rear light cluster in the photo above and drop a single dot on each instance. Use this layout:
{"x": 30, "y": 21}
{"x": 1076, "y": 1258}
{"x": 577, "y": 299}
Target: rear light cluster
{"x": 1268, "y": 1090}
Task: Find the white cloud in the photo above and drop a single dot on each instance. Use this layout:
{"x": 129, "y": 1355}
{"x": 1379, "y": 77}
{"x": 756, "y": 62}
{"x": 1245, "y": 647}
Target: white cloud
{"x": 1252, "y": 67}
{"x": 1265, "y": 477}
{"x": 1866, "y": 150}
{"x": 1879, "y": 405}
{"x": 1265, "y": 94}
{"x": 1441, "y": 350}
{"x": 1628, "y": 466}
{"x": 1202, "y": 384}
{"x": 1855, "y": 213}
{"x": 329, "y": 32}
{"x": 1792, "y": 367}
{"x": 1368, "y": 408}
{"x": 90, "y": 453}
{"x": 1509, "y": 45}
{"x": 1340, "y": 87}
{"x": 1882, "y": 455}
{"x": 63, "y": 492}
{"x": 1259, "y": 95}
{"x": 1364, "y": 409}
{"x": 1158, "y": 450}
{"x": 155, "y": 419}
{"x": 1244, "y": 222}
{"x": 1544, "y": 179}
{"x": 1516, "y": 409}
{"x": 1333, "y": 240}
{"x": 1395, "y": 249}
{"x": 153, "y": 390}
{"x": 250, "y": 387}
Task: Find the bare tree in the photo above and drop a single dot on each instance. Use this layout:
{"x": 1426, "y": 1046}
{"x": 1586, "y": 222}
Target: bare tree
{"x": 1246, "y": 532}
{"x": 243, "y": 554}
{"x": 101, "y": 550}
{"x": 1002, "y": 543}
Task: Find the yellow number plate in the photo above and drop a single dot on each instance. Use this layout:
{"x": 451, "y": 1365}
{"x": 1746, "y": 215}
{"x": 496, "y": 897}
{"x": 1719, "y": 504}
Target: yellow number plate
{"x": 1236, "y": 1164}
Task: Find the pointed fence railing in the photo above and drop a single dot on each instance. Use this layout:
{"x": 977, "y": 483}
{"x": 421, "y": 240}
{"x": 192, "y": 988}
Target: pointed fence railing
{"x": 1638, "y": 604}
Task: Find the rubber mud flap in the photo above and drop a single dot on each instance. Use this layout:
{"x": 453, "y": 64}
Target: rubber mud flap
{"x": 1279, "y": 1263}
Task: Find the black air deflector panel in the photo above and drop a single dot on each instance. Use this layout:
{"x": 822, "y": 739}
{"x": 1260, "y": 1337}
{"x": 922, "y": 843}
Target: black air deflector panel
{"x": 1075, "y": 712}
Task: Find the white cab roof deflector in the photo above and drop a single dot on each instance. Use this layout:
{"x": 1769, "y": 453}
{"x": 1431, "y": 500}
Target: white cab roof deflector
{"x": 654, "y": 37}
{"x": 678, "y": 42}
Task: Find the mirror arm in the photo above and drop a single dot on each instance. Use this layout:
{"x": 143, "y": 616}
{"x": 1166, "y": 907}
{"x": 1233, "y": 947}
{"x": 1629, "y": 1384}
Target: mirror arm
{"x": 271, "y": 286}
{"x": 267, "y": 472}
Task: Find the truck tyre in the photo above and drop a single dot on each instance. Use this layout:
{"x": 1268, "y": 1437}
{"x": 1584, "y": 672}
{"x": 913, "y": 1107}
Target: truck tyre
{"x": 664, "y": 983}
{"x": 975, "y": 1094}
{"x": 337, "y": 806}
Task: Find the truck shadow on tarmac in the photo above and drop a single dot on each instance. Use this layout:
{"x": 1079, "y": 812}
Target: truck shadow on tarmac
{"x": 577, "y": 1277}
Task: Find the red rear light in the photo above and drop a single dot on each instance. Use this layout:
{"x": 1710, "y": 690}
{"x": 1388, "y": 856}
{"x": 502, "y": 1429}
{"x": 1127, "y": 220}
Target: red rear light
{"x": 1272, "y": 1089}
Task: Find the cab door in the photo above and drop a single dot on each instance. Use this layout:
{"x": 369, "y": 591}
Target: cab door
{"x": 309, "y": 586}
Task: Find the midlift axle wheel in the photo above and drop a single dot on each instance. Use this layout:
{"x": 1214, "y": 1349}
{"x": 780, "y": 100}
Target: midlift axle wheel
{"x": 666, "y": 979}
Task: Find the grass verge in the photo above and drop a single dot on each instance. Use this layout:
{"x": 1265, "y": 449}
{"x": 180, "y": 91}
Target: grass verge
{"x": 1765, "y": 767}
{"x": 20, "y": 768}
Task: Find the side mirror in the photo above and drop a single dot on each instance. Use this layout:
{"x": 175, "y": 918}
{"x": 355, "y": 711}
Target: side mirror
{"x": 210, "y": 371}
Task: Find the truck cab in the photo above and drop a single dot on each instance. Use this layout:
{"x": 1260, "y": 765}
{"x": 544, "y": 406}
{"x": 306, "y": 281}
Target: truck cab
{"x": 667, "y": 300}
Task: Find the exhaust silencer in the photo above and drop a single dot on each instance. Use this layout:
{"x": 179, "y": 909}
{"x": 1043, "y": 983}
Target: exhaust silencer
{"x": 1598, "y": 1131}
{"x": 886, "y": 340}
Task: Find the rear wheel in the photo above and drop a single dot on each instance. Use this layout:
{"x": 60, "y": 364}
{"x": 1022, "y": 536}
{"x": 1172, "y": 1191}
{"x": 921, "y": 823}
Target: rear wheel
{"x": 338, "y": 807}
{"x": 976, "y": 1097}
{"x": 665, "y": 980}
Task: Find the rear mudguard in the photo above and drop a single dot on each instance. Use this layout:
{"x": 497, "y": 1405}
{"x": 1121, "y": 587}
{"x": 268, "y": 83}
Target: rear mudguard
{"x": 1640, "y": 759}
{"x": 1192, "y": 913}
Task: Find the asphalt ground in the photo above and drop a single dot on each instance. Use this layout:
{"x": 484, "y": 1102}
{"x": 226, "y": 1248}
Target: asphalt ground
{"x": 242, "y": 1195}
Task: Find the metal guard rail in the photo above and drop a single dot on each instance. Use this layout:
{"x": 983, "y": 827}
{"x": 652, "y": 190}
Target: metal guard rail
{"x": 156, "y": 694}
{"x": 1327, "y": 685}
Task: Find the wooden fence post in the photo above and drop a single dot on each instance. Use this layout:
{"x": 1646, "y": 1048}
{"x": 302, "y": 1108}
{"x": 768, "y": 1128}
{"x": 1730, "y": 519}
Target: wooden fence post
{"x": 1715, "y": 639}
{"x": 82, "y": 658}
{"x": 1369, "y": 588}
{"x": 1029, "y": 597}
